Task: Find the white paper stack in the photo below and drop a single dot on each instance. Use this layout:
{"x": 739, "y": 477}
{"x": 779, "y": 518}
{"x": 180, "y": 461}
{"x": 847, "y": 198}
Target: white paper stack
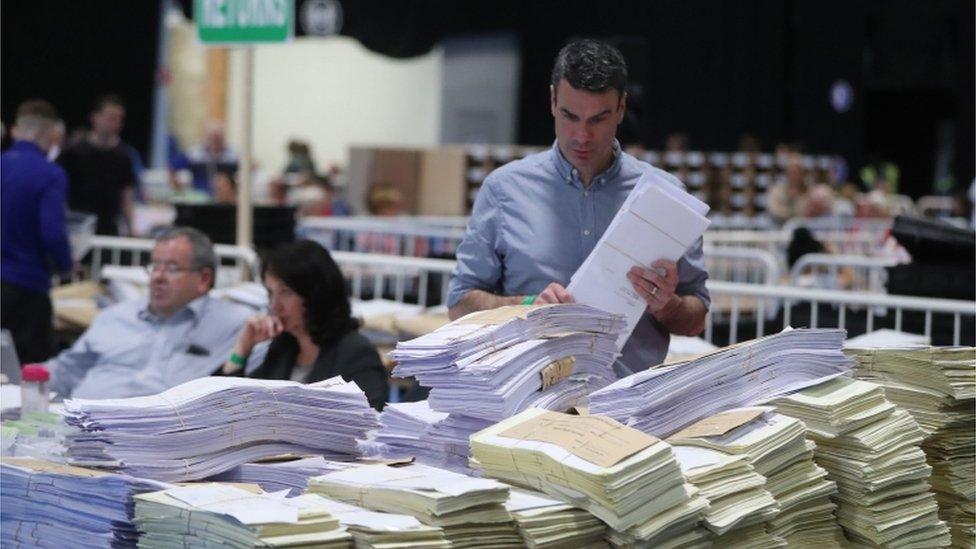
{"x": 657, "y": 221}
{"x": 663, "y": 400}
{"x": 547, "y": 523}
{"x": 241, "y": 515}
{"x": 629, "y": 480}
{"x": 776, "y": 448}
{"x": 470, "y": 510}
{"x": 282, "y": 474}
{"x": 938, "y": 387}
{"x": 452, "y": 436}
{"x": 209, "y": 425}
{"x": 406, "y": 431}
{"x": 373, "y": 530}
{"x": 884, "y": 497}
{"x": 53, "y": 505}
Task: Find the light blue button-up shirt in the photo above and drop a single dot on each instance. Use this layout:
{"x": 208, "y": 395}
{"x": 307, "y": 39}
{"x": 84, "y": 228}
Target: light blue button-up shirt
{"x": 128, "y": 351}
{"x": 534, "y": 223}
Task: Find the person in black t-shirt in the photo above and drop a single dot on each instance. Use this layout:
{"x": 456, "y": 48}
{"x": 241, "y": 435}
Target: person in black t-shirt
{"x": 101, "y": 177}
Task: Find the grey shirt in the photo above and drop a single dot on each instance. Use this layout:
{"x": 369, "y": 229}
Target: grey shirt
{"x": 128, "y": 351}
{"x": 534, "y": 223}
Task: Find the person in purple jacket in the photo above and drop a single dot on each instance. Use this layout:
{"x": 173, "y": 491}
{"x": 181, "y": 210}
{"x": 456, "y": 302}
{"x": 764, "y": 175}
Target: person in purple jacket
{"x": 33, "y": 233}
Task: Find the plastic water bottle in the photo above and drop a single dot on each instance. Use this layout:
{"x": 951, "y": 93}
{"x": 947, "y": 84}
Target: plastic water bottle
{"x": 33, "y": 388}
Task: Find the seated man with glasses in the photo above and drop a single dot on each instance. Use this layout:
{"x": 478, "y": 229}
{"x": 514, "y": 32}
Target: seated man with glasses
{"x": 147, "y": 345}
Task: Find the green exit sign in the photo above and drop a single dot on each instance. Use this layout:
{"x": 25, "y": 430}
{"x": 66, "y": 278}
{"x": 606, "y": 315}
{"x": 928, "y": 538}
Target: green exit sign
{"x": 244, "y": 21}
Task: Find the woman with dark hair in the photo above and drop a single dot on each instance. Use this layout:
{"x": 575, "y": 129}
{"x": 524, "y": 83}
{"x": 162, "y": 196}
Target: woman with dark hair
{"x": 313, "y": 335}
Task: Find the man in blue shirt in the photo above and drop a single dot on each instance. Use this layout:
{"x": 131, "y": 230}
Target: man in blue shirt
{"x": 147, "y": 345}
{"x": 537, "y": 219}
{"x": 33, "y": 234}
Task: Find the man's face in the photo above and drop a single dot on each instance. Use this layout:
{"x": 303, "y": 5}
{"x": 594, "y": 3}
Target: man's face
{"x": 108, "y": 120}
{"x": 173, "y": 282}
{"x": 586, "y": 123}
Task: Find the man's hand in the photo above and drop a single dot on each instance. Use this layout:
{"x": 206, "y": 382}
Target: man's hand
{"x": 657, "y": 289}
{"x": 554, "y": 293}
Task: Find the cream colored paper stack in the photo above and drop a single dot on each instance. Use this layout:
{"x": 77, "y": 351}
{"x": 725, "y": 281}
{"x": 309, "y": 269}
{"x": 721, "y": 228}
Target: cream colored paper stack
{"x": 938, "y": 387}
{"x": 629, "y": 480}
{"x": 234, "y": 515}
{"x": 546, "y": 523}
{"x": 871, "y": 450}
{"x": 373, "y": 530}
{"x": 470, "y": 510}
{"x": 776, "y": 450}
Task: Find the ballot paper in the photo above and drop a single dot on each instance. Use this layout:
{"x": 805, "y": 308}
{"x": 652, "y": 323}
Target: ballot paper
{"x": 210, "y": 425}
{"x": 776, "y": 448}
{"x": 470, "y": 510}
{"x": 241, "y": 515}
{"x": 544, "y": 522}
{"x": 629, "y": 480}
{"x": 54, "y": 505}
{"x": 884, "y": 497}
{"x": 667, "y": 398}
{"x": 937, "y": 386}
{"x": 374, "y": 530}
{"x": 276, "y": 475}
{"x": 404, "y": 433}
{"x": 657, "y": 221}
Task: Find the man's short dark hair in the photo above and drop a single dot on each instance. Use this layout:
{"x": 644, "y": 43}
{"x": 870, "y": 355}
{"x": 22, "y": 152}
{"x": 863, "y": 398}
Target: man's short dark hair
{"x": 591, "y": 65}
{"x": 106, "y": 100}
{"x": 202, "y": 254}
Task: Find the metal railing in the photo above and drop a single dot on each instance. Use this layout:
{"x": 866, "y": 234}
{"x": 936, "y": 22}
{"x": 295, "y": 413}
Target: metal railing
{"x": 407, "y": 236}
{"x": 867, "y": 273}
{"x": 400, "y": 275}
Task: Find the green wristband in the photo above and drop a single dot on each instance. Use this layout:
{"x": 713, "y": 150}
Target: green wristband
{"x": 529, "y": 299}
{"x": 237, "y": 359}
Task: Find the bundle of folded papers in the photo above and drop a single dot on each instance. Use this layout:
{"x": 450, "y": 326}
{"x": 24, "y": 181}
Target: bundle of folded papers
{"x": 54, "y": 505}
{"x": 663, "y": 400}
{"x": 373, "y": 530}
{"x": 406, "y": 432}
{"x": 235, "y": 515}
{"x": 547, "y": 523}
{"x": 470, "y": 510}
{"x": 871, "y": 449}
{"x": 629, "y": 480}
{"x": 778, "y": 452}
{"x": 209, "y": 425}
{"x": 287, "y": 473}
{"x": 937, "y": 386}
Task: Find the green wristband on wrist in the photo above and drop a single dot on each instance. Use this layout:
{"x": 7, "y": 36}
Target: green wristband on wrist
{"x": 529, "y": 299}
{"x": 237, "y": 359}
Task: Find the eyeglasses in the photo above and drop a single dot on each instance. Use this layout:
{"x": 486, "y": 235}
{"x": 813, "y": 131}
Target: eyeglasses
{"x": 168, "y": 269}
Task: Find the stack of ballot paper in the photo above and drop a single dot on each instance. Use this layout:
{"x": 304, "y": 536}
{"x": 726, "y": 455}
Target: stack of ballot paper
{"x": 372, "y": 530}
{"x": 275, "y": 475}
{"x": 776, "y": 449}
{"x": 235, "y": 515}
{"x": 493, "y": 364}
{"x": 629, "y": 480}
{"x": 53, "y": 505}
{"x": 470, "y": 510}
{"x": 452, "y": 436}
{"x": 545, "y": 523}
{"x": 938, "y": 387}
{"x": 209, "y": 425}
{"x": 657, "y": 221}
{"x": 405, "y": 432}
{"x": 871, "y": 450}
{"x": 663, "y": 400}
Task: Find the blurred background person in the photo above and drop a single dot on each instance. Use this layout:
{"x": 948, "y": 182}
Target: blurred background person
{"x": 33, "y": 233}
{"x": 312, "y": 333}
{"x": 101, "y": 174}
{"x": 224, "y": 189}
{"x": 210, "y": 157}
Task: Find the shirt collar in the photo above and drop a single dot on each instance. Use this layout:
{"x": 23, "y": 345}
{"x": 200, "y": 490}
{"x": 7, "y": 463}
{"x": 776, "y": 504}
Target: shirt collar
{"x": 194, "y": 307}
{"x": 28, "y": 146}
{"x": 570, "y": 175}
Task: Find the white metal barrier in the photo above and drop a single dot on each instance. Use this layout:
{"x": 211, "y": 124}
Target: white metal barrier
{"x": 843, "y": 300}
{"x": 236, "y": 263}
{"x": 738, "y": 264}
{"x": 406, "y": 236}
{"x": 396, "y": 273}
{"x": 867, "y": 273}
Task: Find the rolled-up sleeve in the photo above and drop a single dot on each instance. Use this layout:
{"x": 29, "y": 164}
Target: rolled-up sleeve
{"x": 692, "y": 274}
{"x": 478, "y": 265}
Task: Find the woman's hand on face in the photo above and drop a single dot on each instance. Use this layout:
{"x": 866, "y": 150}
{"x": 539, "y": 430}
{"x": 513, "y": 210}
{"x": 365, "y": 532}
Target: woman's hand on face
{"x": 258, "y": 328}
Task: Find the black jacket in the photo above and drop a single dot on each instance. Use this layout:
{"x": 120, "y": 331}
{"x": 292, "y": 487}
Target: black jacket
{"x": 353, "y": 357}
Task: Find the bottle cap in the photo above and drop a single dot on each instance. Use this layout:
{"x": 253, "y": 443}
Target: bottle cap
{"x": 35, "y": 373}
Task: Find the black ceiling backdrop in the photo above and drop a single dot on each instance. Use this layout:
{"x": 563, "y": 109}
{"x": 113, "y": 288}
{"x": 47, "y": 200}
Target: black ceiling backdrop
{"x": 711, "y": 69}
